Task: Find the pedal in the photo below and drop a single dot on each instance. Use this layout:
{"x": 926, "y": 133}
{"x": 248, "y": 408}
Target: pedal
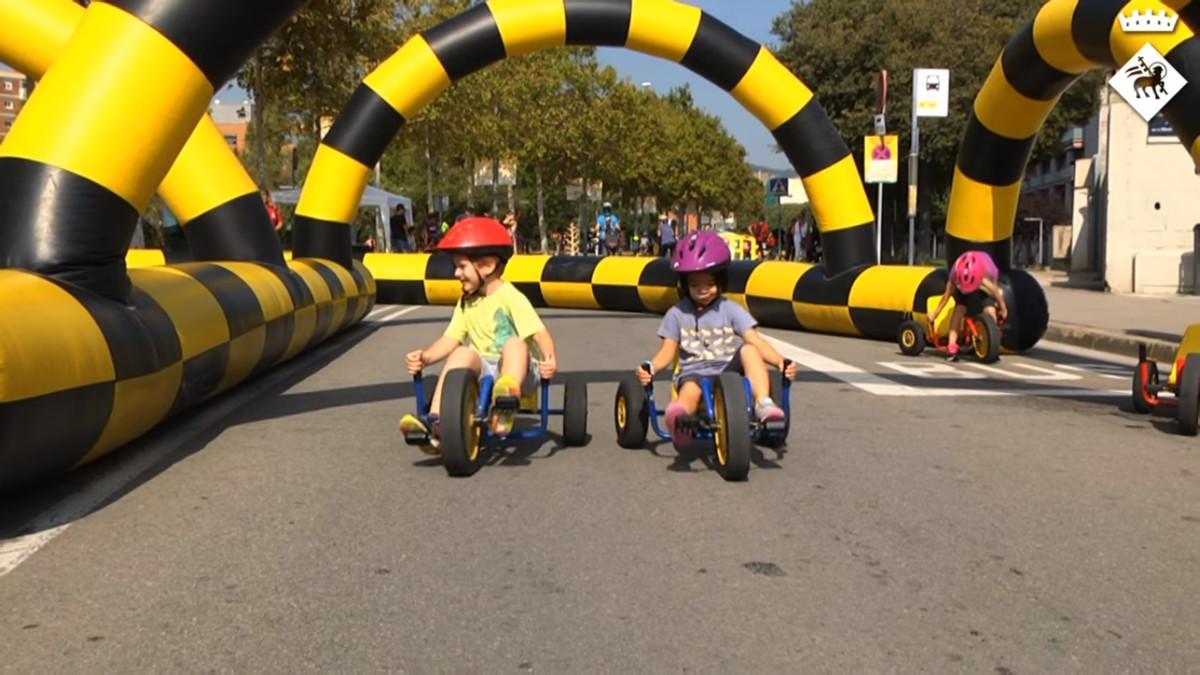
{"x": 689, "y": 424}
{"x": 775, "y": 426}
{"x": 417, "y": 438}
{"x": 506, "y": 404}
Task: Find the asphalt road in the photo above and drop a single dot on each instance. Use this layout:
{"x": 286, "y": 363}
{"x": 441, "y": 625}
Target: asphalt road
{"x": 924, "y": 516}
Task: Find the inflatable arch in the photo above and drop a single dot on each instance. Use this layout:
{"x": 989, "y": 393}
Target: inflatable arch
{"x": 1066, "y": 39}
{"x": 89, "y": 360}
{"x": 207, "y": 188}
{"x": 847, "y": 295}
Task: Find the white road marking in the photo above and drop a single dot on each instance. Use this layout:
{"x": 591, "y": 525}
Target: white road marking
{"x": 129, "y": 465}
{"x": 399, "y": 312}
{"x": 1037, "y": 373}
{"x": 1101, "y": 369}
{"x": 882, "y": 386}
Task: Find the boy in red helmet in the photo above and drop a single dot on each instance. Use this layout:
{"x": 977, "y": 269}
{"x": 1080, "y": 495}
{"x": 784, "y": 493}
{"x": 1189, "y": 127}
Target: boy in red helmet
{"x": 494, "y": 329}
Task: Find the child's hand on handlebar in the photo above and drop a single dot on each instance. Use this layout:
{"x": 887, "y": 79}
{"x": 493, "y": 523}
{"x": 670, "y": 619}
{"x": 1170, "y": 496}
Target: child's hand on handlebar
{"x": 789, "y": 369}
{"x": 644, "y": 374}
{"x": 548, "y": 367}
{"x": 415, "y": 361}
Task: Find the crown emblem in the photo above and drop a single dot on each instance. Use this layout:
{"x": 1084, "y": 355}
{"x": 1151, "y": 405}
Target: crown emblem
{"x": 1162, "y": 21}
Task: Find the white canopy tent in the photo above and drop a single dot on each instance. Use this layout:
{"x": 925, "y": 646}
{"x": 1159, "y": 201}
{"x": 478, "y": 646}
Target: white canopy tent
{"x": 375, "y": 197}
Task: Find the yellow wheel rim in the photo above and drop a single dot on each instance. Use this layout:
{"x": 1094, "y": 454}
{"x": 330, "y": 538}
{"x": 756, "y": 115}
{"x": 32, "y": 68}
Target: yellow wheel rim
{"x": 476, "y": 433}
{"x": 981, "y": 345}
{"x": 720, "y": 437}
{"x": 622, "y": 413}
{"x": 909, "y": 338}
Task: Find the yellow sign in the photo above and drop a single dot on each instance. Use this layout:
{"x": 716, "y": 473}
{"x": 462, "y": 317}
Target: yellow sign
{"x": 881, "y": 158}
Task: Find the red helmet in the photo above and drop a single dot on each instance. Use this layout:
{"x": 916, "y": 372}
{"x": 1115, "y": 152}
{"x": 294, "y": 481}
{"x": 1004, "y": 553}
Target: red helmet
{"x": 477, "y": 237}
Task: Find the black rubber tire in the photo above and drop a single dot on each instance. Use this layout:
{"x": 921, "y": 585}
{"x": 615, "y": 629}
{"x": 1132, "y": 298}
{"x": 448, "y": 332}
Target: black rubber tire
{"x": 732, "y": 435}
{"x": 631, "y": 413}
{"x": 911, "y": 338}
{"x": 777, "y": 396}
{"x": 987, "y": 343}
{"x": 462, "y": 451}
{"x": 1146, "y": 373}
{"x": 575, "y": 413}
{"x": 1189, "y": 395}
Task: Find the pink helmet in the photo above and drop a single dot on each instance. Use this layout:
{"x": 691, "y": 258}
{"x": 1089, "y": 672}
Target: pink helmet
{"x": 970, "y": 270}
{"x": 700, "y": 252}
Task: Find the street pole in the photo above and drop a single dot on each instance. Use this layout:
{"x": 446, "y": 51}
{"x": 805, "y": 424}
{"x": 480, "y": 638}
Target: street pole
{"x": 912, "y": 183}
{"x": 881, "y": 131}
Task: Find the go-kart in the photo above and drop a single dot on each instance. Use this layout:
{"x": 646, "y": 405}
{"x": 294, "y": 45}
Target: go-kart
{"x": 981, "y": 335}
{"x": 1182, "y": 386}
{"x": 465, "y": 413}
{"x": 726, "y": 417}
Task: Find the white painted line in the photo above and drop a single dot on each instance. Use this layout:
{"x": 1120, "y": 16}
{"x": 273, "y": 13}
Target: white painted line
{"x": 1094, "y": 371}
{"x": 868, "y": 382}
{"x": 127, "y": 466}
{"x": 882, "y": 386}
{"x": 400, "y": 312}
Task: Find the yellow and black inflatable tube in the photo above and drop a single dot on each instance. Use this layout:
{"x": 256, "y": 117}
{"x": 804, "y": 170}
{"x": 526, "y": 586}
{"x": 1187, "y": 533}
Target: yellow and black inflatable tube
{"x": 75, "y": 181}
{"x": 865, "y": 302}
{"x": 429, "y": 62}
{"x": 1065, "y": 39}
{"x": 207, "y": 188}
{"x": 81, "y": 375}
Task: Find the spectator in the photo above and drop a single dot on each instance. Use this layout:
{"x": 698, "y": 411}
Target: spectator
{"x": 273, "y": 212}
{"x": 667, "y": 235}
{"x": 608, "y": 229}
{"x": 400, "y": 231}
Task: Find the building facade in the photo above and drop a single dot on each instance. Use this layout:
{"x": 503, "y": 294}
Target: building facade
{"x": 14, "y": 90}
{"x": 1124, "y": 197}
{"x": 233, "y": 119}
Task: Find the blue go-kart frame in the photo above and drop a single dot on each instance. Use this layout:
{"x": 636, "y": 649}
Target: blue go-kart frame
{"x": 728, "y": 407}
{"x": 467, "y": 408}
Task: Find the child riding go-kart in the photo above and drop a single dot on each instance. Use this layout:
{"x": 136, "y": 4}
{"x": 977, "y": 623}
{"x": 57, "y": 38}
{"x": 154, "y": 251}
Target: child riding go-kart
{"x": 978, "y": 312}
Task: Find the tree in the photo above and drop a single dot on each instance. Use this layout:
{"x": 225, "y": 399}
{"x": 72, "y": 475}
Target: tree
{"x": 838, "y": 46}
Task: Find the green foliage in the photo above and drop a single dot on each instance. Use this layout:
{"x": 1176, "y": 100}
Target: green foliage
{"x": 557, "y": 112}
{"x": 838, "y": 46}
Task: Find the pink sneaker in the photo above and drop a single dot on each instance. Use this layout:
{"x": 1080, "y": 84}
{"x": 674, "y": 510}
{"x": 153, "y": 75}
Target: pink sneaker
{"x": 674, "y": 411}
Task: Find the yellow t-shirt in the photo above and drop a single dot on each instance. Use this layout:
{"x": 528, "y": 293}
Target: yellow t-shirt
{"x": 486, "y": 323}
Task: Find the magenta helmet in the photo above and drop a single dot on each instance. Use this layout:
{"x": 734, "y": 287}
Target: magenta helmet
{"x": 700, "y": 252}
{"x": 970, "y": 269}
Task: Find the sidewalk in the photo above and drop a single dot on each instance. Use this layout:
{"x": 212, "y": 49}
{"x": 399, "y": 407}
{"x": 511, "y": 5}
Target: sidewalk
{"x": 1115, "y": 322}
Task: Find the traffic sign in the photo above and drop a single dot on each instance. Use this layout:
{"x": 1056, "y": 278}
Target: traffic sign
{"x": 778, "y": 186}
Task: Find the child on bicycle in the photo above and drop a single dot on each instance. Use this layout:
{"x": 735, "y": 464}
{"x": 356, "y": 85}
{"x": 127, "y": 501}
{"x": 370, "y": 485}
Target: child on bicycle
{"x": 711, "y": 335}
{"x": 494, "y": 329}
{"x": 975, "y": 286}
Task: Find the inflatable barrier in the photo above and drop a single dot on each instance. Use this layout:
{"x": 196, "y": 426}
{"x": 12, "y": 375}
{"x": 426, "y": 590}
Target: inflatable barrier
{"x": 868, "y": 302}
{"x": 1066, "y": 39}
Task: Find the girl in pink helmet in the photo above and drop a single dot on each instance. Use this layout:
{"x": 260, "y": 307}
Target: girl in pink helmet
{"x": 711, "y": 335}
{"x": 975, "y": 284}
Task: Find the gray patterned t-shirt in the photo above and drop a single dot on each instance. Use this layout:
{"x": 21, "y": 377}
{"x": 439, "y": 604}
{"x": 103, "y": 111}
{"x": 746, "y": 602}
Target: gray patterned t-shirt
{"x": 708, "y": 339}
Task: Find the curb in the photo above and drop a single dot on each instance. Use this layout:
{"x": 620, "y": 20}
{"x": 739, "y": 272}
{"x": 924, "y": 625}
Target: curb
{"x": 1110, "y": 341}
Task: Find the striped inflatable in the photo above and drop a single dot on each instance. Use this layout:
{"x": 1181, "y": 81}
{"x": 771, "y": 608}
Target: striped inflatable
{"x": 427, "y": 64}
{"x": 1066, "y": 39}
{"x": 865, "y": 302}
{"x": 81, "y": 375}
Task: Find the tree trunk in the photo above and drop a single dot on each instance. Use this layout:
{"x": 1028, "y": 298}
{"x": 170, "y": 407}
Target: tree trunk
{"x": 428, "y": 179}
{"x": 260, "y": 140}
{"x": 495, "y": 185}
{"x": 470, "y": 184}
{"x": 541, "y": 207}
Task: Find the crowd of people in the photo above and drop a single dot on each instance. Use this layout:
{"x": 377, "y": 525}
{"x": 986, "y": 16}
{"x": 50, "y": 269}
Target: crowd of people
{"x": 799, "y": 242}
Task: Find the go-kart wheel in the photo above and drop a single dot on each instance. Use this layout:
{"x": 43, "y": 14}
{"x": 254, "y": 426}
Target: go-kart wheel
{"x": 987, "y": 339}
{"x": 911, "y": 338}
{"x": 575, "y": 413}
{"x": 631, "y": 413}
{"x": 732, "y": 435}
{"x": 774, "y": 440}
{"x": 1189, "y": 395}
{"x": 462, "y": 436}
{"x": 1145, "y": 375}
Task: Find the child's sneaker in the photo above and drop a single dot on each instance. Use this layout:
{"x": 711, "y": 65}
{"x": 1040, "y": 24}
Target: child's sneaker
{"x": 506, "y": 399}
{"x": 411, "y": 426}
{"x": 680, "y": 434}
{"x": 766, "y": 411}
{"x": 952, "y": 353}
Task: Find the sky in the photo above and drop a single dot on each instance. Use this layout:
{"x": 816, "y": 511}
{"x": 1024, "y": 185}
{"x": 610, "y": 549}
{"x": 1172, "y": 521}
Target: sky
{"x": 752, "y": 18}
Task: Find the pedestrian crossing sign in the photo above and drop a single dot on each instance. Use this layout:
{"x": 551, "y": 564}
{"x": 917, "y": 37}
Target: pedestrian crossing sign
{"x": 778, "y": 186}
